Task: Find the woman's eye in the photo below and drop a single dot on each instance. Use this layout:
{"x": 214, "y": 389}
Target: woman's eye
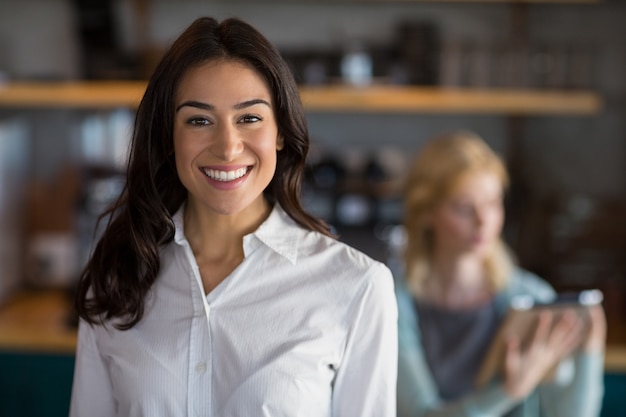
{"x": 249, "y": 118}
{"x": 463, "y": 209}
{"x": 198, "y": 121}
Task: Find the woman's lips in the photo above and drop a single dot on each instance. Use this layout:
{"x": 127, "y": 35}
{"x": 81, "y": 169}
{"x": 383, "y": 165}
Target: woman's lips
{"x": 225, "y": 175}
{"x": 226, "y": 178}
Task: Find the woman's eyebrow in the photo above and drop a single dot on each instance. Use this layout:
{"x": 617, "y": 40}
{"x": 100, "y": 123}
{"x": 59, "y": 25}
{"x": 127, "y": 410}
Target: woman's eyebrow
{"x": 238, "y": 106}
{"x": 250, "y": 103}
{"x": 196, "y": 104}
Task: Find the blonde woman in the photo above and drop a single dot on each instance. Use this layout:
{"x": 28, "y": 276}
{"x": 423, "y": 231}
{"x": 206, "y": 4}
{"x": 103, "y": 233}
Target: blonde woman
{"x": 453, "y": 293}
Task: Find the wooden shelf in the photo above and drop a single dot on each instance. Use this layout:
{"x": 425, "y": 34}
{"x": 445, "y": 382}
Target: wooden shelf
{"x": 385, "y": 99}
{"x": 398, "y": 99}
{"x": 75, "y": 94}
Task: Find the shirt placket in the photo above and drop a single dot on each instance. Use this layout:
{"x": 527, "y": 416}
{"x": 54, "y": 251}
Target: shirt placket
{"x": 200, "y": 348}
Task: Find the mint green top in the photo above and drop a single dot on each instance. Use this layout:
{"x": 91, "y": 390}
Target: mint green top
{"x": 577, "y": 393}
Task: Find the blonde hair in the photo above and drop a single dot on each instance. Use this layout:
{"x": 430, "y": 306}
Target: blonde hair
{"x": 436, "y": 171}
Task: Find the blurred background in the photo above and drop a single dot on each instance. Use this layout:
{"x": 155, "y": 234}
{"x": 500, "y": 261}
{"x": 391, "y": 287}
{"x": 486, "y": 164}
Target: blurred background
{"x": 543, "y": 82}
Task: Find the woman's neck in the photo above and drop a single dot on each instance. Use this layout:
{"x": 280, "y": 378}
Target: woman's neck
{"x": 217, "y": 240}
{"x": 458, "y": 282}
{"x": 215, "y": 236}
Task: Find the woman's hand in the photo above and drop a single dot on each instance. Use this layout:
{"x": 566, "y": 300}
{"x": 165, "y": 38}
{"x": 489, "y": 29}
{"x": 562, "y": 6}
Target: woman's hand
{"x": 595, "y": 340}
{"x": 553, "y": 340}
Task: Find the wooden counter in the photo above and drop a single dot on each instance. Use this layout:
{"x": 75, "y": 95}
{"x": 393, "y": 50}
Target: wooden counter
{"x": 615, "y": 359}
{"x": 38, "y": 322}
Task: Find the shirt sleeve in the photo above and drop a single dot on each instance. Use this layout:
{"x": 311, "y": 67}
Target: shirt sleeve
{"x": 92, "y": 393}
{"x": 365, "y": 384}
{"x": 582, "y": 395}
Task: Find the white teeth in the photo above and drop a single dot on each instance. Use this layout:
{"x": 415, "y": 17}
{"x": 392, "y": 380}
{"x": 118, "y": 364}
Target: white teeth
{"x": 225, "y": 175}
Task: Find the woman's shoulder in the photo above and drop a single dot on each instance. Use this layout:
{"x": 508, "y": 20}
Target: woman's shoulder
{"x": 346, "y": 264}
{"x": 330, "y": 260}
{"x": 314, "y": 243}
{"x": 525, "y": 282}
{"x": 339, "y": 253}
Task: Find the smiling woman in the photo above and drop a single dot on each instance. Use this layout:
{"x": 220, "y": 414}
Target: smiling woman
{"x": 212, "y": 291}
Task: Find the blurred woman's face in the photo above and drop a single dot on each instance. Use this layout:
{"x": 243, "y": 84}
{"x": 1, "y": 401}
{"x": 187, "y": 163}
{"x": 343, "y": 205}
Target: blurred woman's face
{"x": 470, "y": 219}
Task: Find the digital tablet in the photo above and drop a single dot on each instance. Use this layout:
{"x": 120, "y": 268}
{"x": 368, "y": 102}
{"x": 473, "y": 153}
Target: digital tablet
{"x": 521, "y": 320}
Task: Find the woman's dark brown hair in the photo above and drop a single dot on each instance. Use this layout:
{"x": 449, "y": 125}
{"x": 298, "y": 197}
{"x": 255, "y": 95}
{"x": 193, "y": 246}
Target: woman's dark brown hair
{"x": 125, "y": 261}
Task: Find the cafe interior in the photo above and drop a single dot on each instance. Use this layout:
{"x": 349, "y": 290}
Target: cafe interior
{"x": 542, "y": 81}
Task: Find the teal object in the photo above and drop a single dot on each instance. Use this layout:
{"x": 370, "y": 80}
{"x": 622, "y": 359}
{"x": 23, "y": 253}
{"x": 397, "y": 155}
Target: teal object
{"x": 40, "y": 385}
{"x": 35, "y": 385}
{"x": 614, "y": 402}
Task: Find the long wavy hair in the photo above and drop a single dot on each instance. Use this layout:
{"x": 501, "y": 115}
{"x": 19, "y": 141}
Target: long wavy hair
{"x": 435, "y": 172}
{"x": 125, "y": 261}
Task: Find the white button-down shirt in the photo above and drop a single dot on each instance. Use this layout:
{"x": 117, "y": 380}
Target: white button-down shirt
{"x": 304, "y": 326}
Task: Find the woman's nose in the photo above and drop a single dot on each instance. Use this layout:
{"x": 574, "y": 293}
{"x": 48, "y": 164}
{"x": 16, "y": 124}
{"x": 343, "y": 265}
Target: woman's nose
{"x": 479, "y": 216}
{"x": 227, "y": 143}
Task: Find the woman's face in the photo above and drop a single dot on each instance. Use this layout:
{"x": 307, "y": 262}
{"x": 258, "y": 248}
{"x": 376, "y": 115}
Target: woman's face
{"x": 470, "y": 219}
{"x": 225, "y": 136}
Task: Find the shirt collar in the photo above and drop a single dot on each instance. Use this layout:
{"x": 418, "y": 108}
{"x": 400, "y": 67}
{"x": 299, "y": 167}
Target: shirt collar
{"x": 179, "y": 225}
{"x": 279, "y": 232}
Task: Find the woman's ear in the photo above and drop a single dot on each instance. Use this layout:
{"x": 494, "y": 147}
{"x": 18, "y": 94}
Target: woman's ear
{"x": 280, "y": 143}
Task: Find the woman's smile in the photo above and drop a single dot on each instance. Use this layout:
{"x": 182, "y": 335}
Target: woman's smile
{"x": 224, "y": 175}
{"x": 226, "y": 178}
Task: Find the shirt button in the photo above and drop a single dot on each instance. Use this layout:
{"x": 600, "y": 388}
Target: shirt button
{"x": 201, "y": 367}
